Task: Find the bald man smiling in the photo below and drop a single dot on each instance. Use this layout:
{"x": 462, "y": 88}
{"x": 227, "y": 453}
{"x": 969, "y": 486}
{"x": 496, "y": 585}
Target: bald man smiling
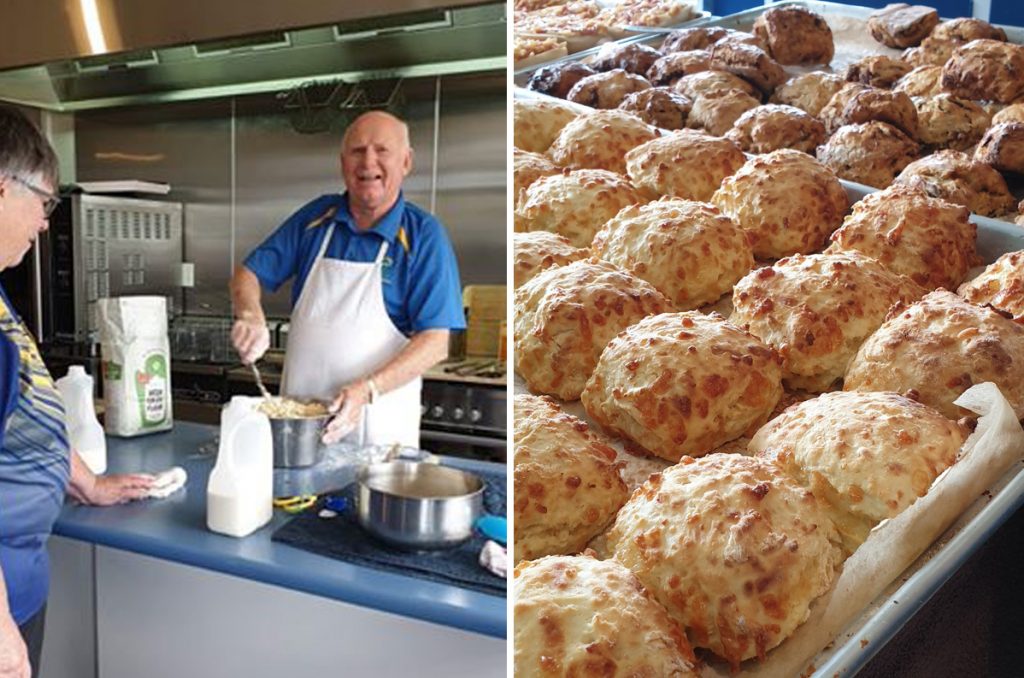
{"x": 376, "y": 292}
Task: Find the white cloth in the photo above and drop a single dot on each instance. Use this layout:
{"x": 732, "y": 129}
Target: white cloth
{"x": 494, "y": 559}
{"x": 167, "y": 483}
{"x": 340, "y": 332}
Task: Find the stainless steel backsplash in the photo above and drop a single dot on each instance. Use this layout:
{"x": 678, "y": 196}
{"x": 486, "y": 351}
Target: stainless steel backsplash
{"x": 245, "y": 156}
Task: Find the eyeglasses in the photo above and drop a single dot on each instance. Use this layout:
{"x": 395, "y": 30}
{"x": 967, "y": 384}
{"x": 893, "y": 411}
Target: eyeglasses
{"x": 50, "y": 200}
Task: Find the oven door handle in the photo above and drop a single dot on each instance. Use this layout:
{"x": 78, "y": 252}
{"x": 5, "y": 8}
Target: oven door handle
{"x": 462, "y": 438}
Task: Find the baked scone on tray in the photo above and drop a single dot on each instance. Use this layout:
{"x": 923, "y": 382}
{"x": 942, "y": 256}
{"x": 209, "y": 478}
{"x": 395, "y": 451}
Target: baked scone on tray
{"x": 568, "y": 486}
{"x": 579, "y": 616}
{"x": 682, "y": 384}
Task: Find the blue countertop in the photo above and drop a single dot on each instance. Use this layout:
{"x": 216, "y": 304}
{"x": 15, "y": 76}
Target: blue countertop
{"x": 174, "y": 529}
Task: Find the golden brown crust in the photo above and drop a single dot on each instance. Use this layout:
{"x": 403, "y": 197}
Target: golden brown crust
{"x": 693, "y": 38}
{"x": 817, "y": 310}
{"x": 1002, "y": 147}
{"x": 600, "y": 140}
{"x": 575, "y": 18}
{"x": 786, "y": 201}
{"x": 964, "y": 29}
{"x": 796, "y": 36}
{"x": 808, "y": 92}
{"x": 557, "y": 79}
{"x": 633, "y": 58}
{"x": 985, "y": 69}
{"x": 1000, "y": 285}
{"x": 831, "y": 114}
{"x": 716, "y": 112}
{"x": 538, "y": 250}
{"x": 931, "y": 52}
{"x": 774, "y": 126}
{"x": 527, "y": 168}
{"x": 607, "y": 89}
{"x": 733, "y": 548}
{"x": 702, "y": 37}
{"x": 956, "y": 177}
{"x": 940, "y": 347}
{"x": 685, "y": 164}
{"x": 526, "y": 46}
{"x": 947, "y": 122}
{"x": 871, "y": 153}
{"x": 579, "y": 616}
{"x": 575, "y": 204}
{"x": 877, "y": 71}
{"x": 708, "y": 82}
{"x": 689, "y": 251}
{"x": 868, "y": 456}
{"x": 882, "y": 105}
{"x": 901, "y": 25}
{"x": 568, "y": 487}
{"x": 682, "y": 384}
{"x": 927, "y": 239}
{"x": 1012, "y": 113}
{"x": 659, "y": 106}
{"x": 748, "y": 62}
{"x": 923, "y": 81}
{"x": 537, "y": 123}
{"x": 567, "y": 314}
{"x": 670, "y": 68}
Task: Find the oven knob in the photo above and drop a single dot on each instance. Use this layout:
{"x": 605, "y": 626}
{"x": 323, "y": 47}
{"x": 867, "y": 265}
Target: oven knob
{"x": 458, "y": 413}
{"x": 475, "y": 415}
{"x": 437, "y": 412}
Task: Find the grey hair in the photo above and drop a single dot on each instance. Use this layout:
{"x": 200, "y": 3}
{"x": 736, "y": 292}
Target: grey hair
{"x": 24, "y": 151}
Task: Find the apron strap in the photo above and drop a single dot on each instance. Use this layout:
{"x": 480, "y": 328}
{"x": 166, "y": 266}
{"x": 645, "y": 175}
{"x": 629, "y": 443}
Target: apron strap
{"x": 323, "y": 245}
{"x": 381, "y": 252}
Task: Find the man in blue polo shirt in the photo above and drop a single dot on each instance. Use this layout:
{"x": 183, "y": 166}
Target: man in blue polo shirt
{"x": 376, "y": 292}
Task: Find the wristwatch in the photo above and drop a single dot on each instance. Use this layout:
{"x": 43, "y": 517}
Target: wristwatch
{"x": 374, "y": 391}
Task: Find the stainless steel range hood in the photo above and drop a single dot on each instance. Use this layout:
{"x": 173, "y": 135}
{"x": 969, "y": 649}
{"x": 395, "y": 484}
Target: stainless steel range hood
{"x": 149, "y": 66}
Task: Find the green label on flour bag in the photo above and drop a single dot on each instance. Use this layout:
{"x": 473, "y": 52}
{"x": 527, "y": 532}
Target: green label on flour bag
{"x": 151, "y": 387}
{"x": 111, "y": 370}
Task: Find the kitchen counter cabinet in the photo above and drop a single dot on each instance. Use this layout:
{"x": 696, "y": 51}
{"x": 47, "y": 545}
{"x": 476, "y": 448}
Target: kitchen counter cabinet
{"x": 146, "y": 589}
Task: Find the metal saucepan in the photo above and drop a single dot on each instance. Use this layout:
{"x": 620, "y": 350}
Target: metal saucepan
{"x": 419, "y": 506}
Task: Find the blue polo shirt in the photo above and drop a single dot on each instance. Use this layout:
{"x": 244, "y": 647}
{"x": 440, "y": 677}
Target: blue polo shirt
{"x": 421, "y": 283}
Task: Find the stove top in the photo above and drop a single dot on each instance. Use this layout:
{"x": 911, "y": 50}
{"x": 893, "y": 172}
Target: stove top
{"x": 487, "y": 371}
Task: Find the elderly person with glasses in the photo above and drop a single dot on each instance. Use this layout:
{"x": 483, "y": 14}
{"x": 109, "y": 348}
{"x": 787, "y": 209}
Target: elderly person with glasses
{"x": 37, "y": 464}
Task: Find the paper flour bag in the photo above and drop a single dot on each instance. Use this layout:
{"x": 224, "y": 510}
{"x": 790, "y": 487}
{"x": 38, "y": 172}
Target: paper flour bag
{"x": 136, "y": 364}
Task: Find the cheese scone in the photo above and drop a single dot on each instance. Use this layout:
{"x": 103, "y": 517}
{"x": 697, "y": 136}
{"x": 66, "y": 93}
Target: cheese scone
{"x": 817, "y": 310}
{"x": 567, "y": 485}
{"x": 685, "y": 164}
{"x": 688, "y": 250}
{"x": 600, "y": 140}
{"x": 535, "y": 251}
{"x": 927, "y": 239}
{"x": 940, "y": 346}
{"x": 867, "y": 456}
{"x": 683, "y": 383}
{"x": 579, "y": 616}
{"x": 786, "y": 201}
{"x": 537, "y": 123}
{"x": 566, "y": 315}
{"x": 1000, "y": 285}
{"x": 574, "y": 204}
{"x": 733, "y": 548}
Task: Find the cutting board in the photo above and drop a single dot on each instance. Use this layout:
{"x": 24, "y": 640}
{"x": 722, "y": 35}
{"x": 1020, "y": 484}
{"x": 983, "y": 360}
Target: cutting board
{"x": 486, "y": 309}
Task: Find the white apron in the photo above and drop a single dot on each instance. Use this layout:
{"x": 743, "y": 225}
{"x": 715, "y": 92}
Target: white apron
{"x": 340, "y": 332}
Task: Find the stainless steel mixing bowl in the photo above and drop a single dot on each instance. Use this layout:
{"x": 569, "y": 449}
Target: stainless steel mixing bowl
{"x": 419, "y": 506}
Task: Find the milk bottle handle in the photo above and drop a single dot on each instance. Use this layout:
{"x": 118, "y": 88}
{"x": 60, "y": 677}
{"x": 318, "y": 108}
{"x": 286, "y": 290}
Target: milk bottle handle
{"x": 228, "y": 446}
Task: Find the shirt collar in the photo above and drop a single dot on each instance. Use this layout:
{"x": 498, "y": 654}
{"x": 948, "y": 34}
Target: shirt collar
{"x": 388, "y": 225}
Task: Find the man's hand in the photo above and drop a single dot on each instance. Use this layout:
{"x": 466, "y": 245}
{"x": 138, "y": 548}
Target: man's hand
{"x": 251, "y": 339}
{"x": 347, "y": 409}
{"x": 13, "y": 653}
